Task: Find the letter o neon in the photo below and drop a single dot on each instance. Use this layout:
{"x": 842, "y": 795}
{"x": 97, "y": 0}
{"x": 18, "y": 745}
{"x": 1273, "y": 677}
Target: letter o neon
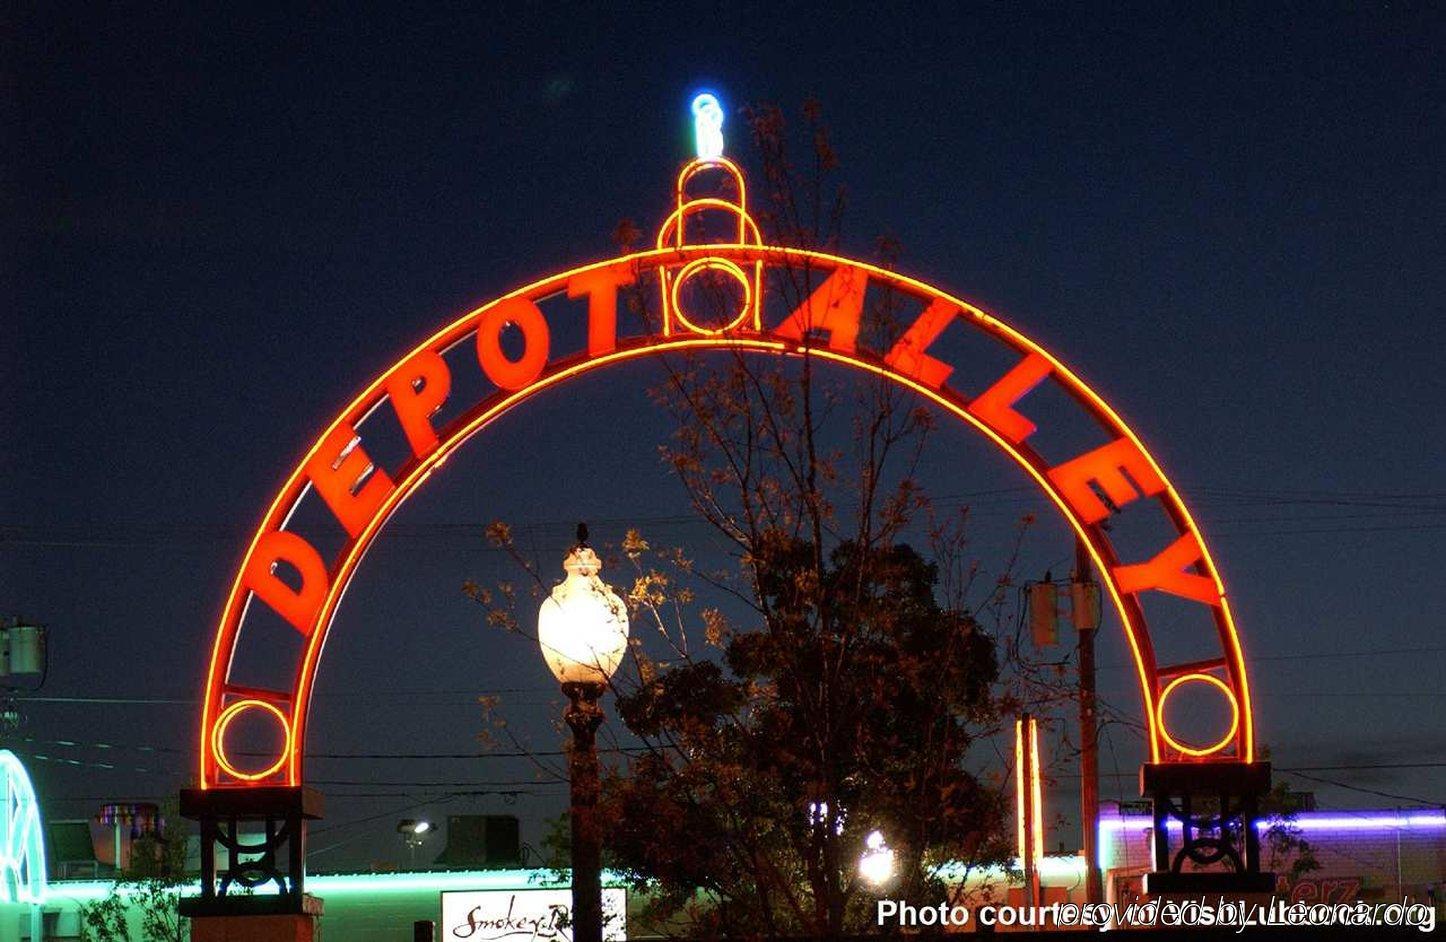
{"x": 1229, "y": 698}
{"x": 507, "y": 373}
{"x": 218, "y": 739}
{"x": 711, "y": 264}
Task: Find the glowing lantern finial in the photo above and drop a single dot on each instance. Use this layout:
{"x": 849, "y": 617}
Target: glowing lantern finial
{"x": 708, "y": 126}
{"x": 582, "y": 626}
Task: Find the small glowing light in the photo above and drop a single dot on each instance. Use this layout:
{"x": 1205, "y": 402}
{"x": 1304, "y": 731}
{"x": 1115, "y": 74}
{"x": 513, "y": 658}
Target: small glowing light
{"x": 708, "y": 127}
{"x": 818, "y": 816}
{"x": 411, "y": 828}
{"x": 876, "y": 866}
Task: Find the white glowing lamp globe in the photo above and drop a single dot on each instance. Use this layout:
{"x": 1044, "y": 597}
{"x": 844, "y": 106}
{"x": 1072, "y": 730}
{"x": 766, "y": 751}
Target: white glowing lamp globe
{"x": 876, "y": 865}
{"x": 582, "y": 626}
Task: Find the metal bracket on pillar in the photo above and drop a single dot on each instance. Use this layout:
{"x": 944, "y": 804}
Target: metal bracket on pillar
{"x": 271, "y": 872}
{"x": 1217, "y": 805}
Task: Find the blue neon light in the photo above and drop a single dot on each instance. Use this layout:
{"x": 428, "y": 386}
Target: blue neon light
{"x": 708, "y": 126}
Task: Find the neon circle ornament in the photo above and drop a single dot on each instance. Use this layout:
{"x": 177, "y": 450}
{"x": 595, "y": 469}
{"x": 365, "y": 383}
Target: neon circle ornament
{"x": 1209, "y": 681}
{"x": 284, "y": 575}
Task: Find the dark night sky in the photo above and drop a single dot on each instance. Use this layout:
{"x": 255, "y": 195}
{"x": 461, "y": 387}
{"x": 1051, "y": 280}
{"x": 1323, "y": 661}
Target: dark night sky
{"x": 218, "y": 226}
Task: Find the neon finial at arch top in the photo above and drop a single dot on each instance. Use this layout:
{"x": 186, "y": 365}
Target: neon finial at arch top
{"x": 707, "y": 126}
{"x": 284, "y": 573}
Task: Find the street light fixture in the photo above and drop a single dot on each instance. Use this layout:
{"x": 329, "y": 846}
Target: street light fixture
{"x": 876, "y": 865}
{"x": 414, "y": 833}
{"x": 582, "y": 628}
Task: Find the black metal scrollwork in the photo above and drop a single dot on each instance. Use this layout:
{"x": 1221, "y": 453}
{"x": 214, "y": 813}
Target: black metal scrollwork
{"x": 235, "y": 865}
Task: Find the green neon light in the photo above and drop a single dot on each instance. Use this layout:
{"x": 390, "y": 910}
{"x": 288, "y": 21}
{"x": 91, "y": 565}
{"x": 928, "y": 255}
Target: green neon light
{"x": 22, "y": 842}
{"x": 1053, "y": 869}
{"x": 371, "y": 884}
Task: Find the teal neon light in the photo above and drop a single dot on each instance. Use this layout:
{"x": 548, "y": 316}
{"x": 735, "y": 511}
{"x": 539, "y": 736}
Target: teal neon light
{"x": 22, "y": 843}
{"x": 708, "y": 126}
{"x": 372, "y": 884}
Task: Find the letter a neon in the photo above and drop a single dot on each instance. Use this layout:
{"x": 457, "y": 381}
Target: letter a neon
{"x": 835, "y": 307}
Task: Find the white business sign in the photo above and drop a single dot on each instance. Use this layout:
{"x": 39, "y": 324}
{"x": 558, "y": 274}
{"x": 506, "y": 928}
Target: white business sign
{"x": 521, "y": 915}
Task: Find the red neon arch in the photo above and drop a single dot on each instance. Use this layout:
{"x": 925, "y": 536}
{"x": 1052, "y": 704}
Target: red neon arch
{"x": 989, "y": 412}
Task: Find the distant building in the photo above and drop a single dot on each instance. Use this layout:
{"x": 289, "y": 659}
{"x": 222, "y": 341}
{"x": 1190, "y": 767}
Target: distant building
{"x": 1375, "y": 856}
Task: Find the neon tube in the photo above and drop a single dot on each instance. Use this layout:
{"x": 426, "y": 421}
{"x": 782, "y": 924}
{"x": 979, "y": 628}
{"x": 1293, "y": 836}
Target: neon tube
{"x": 1345, "y": 822}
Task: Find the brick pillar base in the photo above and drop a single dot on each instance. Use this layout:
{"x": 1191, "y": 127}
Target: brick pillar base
{"x": 298, "y": 927}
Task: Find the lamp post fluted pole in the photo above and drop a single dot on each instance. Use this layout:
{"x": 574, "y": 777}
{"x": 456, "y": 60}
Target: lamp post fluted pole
{"x": 584, "y": 716}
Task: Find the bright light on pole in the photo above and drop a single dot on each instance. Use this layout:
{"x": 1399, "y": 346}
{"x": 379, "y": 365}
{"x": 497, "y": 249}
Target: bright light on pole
{"x": 582, "y": 626}
{"x": 414, "y": 834}
{"x": 876, "y": 866}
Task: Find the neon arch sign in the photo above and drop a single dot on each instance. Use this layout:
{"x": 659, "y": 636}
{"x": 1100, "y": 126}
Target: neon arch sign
{"x": 284, "y": 571}
{"x": 22, "y": 839}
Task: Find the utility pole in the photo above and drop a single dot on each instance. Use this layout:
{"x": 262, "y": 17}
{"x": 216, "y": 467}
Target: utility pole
{"x": 1084, "y": 611}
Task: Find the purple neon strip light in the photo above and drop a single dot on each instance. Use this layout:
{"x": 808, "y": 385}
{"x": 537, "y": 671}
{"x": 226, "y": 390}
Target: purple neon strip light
{"x": 1313, "y": 821}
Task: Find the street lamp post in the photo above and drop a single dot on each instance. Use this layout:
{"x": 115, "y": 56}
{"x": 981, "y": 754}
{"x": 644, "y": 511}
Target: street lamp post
{"x": 582, "y": 628}
{"x": 414, "y": 833}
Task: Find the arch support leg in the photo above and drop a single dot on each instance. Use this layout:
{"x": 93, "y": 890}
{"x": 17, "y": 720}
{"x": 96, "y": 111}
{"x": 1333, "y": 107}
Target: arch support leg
{"x": 1215, "y": 806}
{"x": 252, "y": 839}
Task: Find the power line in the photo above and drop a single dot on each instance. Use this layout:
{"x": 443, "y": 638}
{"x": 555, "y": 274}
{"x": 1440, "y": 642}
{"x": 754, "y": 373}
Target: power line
{"x": 377, "y": 817}
{"x": 120, "y": 535}
{"x": 1399, "y": 528}
{"x": 173, "y": 750}
{"x": 1364, "y": 767}
{"x": 615, "y": 750}
{"x": 409, "y": 695}
{"x": 1367, "y": 791}
{"x": 488, "y": 691}
{"x": 529, "y": 785}
{"x": 1317, "y": 655}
